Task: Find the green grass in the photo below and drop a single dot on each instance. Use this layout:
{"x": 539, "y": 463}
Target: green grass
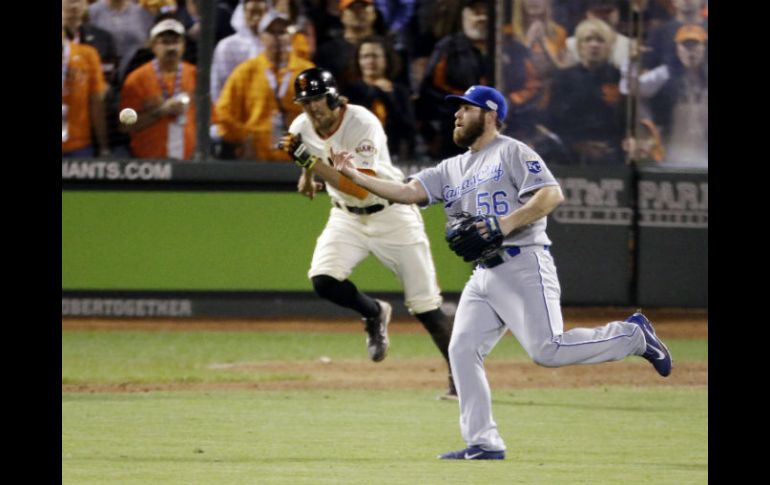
{"x": 586, "y": 436}
{"x": 600, "y": 435}
{"x": 142, "y": 357}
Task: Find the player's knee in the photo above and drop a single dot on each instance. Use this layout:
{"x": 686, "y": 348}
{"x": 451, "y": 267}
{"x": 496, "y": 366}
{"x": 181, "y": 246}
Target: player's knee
{"x": 460, "y": 350}
{"x": 544, "y": 355}
{"x": 324, "y": 285}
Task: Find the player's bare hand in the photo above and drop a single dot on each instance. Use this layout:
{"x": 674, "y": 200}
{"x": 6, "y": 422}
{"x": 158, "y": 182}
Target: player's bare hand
{"x": 342, "y": 161}
{"x": 172, "y": 107}
{"x": 308, "y": 186}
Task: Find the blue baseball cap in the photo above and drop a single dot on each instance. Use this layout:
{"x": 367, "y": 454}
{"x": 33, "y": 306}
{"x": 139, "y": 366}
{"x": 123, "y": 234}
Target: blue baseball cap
{"x": 484, "y": 97}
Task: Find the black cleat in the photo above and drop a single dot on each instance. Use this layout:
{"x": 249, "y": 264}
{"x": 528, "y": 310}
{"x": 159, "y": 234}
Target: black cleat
{"x": 377, "y": 332}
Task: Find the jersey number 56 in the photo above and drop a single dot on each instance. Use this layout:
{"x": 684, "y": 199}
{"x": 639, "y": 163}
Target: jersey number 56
{"x": 494, "y": 203}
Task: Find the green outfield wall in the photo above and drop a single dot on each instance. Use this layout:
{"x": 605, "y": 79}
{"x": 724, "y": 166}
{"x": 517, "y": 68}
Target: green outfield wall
{"x": 216, "y": 239}
{"x": 231, "y": 241}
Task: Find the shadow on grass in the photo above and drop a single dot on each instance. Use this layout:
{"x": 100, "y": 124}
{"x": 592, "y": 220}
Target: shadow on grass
{"x": 590, "y": 407}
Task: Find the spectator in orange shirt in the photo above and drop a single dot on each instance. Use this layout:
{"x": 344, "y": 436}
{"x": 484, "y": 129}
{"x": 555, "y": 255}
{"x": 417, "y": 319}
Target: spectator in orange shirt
{"x": 82, "y": 100}
{"x": 161, "y": 93}
{"x": 256, "y": 105}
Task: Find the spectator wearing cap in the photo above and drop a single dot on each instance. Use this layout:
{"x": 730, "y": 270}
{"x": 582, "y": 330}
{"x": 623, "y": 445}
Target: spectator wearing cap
{"x": 586, "y": 110}
{"x": 256, "y": 105}
{"x": 144, "y": 54}
{"x": 457, "y": 62}
{"x": 336, "y": 55}
{"x": 609, "y": 11}
{"x": 161, "y": 92}
{"x": 128, "y": 23}
{"x": 660, "y": 45}
{"x": 676, "y": 97}
{"x": 82, "y": 100}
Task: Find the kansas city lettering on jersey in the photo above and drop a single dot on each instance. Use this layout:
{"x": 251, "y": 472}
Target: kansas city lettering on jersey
{"x": 487, "y": 173}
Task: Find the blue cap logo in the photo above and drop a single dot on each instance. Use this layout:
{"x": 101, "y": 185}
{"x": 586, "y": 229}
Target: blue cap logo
{"x": 484, "y": 97}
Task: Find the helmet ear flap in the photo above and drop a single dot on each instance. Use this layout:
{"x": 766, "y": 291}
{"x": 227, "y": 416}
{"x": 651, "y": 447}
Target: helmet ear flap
{"x": 332, "y": 99}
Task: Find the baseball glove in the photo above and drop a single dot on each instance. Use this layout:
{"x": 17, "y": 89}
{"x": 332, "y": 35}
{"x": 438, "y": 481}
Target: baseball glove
{"x": 465, "y": 239}
{"x": 292, "y": 144}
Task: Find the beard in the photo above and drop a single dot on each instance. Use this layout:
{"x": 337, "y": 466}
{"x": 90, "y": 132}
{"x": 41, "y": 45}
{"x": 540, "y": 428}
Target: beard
{"x": 471, "y": 131}
{"x": 322, "y": 122}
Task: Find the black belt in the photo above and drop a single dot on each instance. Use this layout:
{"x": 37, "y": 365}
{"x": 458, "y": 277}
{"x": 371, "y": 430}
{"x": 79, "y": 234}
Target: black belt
{"x": 362, "y": 211}
{"x": 497, "y": 259}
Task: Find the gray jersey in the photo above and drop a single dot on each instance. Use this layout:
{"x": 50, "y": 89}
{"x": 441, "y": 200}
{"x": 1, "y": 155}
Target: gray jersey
{"x": 497, "y": 180}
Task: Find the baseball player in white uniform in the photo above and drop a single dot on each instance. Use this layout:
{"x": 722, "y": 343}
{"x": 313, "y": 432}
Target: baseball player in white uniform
{"x": 361, "y": 223}
{"x": 516, "y": 288}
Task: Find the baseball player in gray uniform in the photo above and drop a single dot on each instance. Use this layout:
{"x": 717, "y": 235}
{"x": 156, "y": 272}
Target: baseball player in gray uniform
{"x": 361, "y": 223}
{"x": 516, "y": 287}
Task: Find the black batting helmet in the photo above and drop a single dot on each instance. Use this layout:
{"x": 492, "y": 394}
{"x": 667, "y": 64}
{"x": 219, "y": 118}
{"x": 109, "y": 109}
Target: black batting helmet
{"x": 315, "y": 82}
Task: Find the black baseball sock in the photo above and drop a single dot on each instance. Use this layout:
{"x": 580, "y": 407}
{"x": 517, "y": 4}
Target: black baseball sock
{"x": 439, "y": 326}
{"x": 345, "y": 293}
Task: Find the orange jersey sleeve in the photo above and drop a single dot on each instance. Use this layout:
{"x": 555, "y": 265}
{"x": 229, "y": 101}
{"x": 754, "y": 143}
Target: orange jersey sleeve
{"x": 349, "y": 187}
{"x": 84, "y": 79}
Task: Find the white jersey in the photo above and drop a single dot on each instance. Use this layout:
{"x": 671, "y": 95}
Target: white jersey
{"x": 498, "y": 179}
{"x": 359, "y": 129}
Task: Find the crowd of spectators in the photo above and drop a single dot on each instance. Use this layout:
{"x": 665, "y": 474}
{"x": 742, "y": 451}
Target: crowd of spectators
{"x": 587, "y": 82}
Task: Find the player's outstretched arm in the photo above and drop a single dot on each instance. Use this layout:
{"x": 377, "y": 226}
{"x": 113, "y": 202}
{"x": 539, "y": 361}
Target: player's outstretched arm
{"x": 405, "y": 193}
{"x": 307, "y": 185}
{"x": 540, "y": 205}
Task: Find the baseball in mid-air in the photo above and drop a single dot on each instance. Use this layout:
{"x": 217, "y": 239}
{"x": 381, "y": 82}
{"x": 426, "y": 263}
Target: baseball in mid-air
{"x": 128, "y": 116}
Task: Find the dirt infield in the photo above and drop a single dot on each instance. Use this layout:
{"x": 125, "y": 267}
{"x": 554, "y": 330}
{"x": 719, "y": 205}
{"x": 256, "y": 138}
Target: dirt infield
{"x": 415, "y": 373}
